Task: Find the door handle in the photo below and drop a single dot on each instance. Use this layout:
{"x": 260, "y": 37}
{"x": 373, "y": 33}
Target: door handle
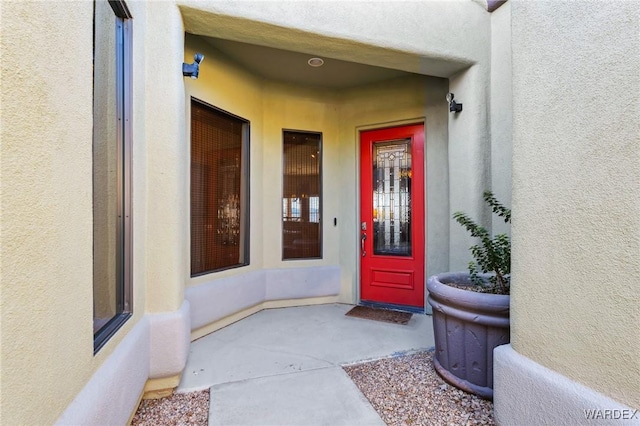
{"x": 364, "y": 237}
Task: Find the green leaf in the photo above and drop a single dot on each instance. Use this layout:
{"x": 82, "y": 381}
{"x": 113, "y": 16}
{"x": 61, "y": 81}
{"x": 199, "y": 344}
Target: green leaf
{"x": 492, "y": 254}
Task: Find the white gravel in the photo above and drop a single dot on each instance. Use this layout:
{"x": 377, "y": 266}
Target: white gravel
{"x": 404, "y": 390}
{"x": 178, "y": 409}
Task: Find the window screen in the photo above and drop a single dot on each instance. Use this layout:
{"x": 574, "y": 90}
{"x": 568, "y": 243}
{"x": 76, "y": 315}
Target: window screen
{"x": 302, "y": 195}
{"x": 219, "y": 207}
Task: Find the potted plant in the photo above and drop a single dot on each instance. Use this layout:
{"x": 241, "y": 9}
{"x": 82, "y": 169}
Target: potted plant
{"x": 471, "y": 310}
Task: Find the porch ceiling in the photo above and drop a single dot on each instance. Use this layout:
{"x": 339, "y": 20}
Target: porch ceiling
{"x": 250, "y": 41}
{"x": 292, "y": 67}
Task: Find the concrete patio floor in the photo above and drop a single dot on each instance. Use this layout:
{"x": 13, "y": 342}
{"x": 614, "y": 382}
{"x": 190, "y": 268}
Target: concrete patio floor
{"x": 283, "y": 366}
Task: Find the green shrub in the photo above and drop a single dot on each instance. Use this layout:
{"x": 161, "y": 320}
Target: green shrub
{"x": 492, "y": 255}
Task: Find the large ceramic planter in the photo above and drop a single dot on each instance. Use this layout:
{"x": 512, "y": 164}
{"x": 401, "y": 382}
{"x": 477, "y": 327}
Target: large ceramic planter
{"x": 467, "y": 326}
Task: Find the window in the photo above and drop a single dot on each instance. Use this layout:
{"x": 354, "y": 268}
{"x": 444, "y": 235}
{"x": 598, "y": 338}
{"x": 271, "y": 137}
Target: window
{"x": 219, "y": 190}
{"x": 301, "y": 195}
{"x": 111, "y": 169}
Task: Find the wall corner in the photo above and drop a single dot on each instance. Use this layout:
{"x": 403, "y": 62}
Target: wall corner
{"x": 527, "y": 393}
{"x": 170, "y": 337}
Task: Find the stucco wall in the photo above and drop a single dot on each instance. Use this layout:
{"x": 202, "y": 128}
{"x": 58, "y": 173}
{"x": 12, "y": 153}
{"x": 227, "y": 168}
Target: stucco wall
{"x": 469, "y": 159}
{"x": 501, "y": 111}
{"x": 46, "y": 216}
{"x": 162, "y": 133}
{"x": 576, "y": 180}
{"x": 308, "y": 109}
{"x": 417, "y": 37}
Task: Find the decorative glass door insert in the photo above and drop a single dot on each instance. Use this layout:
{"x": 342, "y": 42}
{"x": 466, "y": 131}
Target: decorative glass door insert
{"x": 392, "y": 198}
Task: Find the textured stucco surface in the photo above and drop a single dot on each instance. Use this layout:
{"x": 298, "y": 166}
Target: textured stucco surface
{"x": 169, "y": 341}
{"x": 298, "y": 108}
{"x": 46, "y": 214}
{"x": 219, "y": 298}
{"x": 418, "y": 39}
{"x": 164, "y": 156}
{"x": 501, "y": 111}
{"x": 469, "y": 160}
{"x": 528, "y": 394}
{"x": 110, "y": 396}
{"x": 576, "y": 180}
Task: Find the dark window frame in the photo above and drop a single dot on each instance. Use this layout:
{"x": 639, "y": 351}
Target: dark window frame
{"x": 320, "y": 196}
{"x": 124, "y": 287}
{"x": 245, "y": 190}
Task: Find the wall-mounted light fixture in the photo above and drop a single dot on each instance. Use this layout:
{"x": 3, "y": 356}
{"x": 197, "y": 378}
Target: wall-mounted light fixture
{"x": 192, "y": 70}
{"x": 453, "y": 105}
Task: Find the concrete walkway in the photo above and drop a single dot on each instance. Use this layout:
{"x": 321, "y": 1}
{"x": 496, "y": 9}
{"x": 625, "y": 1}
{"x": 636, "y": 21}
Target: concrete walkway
{"x": 282, "y": 366}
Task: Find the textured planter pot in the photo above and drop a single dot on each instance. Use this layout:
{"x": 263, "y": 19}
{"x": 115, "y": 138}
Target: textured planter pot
{"x": 467, "y": 326}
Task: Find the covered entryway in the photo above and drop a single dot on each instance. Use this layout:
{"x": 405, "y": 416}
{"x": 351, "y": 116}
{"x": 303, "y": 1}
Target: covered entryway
{"x": 394, "y": 113}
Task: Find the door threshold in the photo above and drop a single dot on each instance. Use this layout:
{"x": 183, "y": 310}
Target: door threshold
{"x": 391, "y": 306}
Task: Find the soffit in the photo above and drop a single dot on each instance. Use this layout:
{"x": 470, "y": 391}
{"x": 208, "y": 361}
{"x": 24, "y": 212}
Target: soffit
{"x": 292, "y": 67}
{"x": 233, "y": 28}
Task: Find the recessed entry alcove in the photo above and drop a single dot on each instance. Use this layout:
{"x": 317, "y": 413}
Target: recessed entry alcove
{"x": 270, "y": 83}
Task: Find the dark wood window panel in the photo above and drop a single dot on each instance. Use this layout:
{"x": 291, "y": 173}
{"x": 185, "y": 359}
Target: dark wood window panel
{"x": 302, "y": 195}
{"x": 218, "y": 195}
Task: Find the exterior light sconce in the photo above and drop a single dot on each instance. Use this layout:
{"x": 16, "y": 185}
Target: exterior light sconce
{"x": 453, "y": 105}
{"x": 192, "y": 70}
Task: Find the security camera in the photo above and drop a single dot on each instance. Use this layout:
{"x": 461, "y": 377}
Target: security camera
{"x": 453, "y": 105}
{"x": 192, "y": 70}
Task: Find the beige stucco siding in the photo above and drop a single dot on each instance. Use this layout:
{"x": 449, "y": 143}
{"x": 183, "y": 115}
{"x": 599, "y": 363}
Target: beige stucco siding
{"x": 411, "y": 36}
{"x": 161, "y": 132}
{"x": 46, "y": 216}
{"x": 576, "y": 180}
{"x": 501, "y": 107}
{"x": 308, "y": 109}
{"x": 46, "y": 209}
{"x": 47, "y": 229}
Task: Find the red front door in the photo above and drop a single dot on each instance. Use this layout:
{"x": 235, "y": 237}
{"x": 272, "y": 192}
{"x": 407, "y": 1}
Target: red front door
{"x": 392, "y": 216}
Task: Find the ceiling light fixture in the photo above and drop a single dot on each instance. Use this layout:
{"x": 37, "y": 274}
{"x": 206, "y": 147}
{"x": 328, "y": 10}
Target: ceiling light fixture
{"x": 315, "y": 62}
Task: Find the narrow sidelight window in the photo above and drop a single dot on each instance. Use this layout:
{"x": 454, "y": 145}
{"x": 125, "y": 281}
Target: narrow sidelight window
{"x": 219, "y": 190}
{"x": 112, "y": 304}
{"x": 302, "y": 195}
